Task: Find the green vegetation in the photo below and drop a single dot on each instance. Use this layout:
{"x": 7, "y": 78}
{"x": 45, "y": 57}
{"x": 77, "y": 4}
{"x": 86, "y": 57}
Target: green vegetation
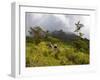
{"x": 43, "y": 49}
{"x": 66, "y": 54}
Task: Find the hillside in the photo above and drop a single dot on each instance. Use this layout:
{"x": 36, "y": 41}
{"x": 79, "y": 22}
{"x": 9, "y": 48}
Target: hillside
{"x": 56, "y": 49}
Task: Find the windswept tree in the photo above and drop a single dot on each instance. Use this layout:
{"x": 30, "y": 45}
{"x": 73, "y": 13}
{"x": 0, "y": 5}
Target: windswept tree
{"x": 78, "y": 28}
{"x": 79, "y": 42}
{"x": 36, "y": 33}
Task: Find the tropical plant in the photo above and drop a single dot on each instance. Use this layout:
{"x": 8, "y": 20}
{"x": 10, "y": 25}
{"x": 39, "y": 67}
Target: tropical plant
{"x": 78, "y": 28}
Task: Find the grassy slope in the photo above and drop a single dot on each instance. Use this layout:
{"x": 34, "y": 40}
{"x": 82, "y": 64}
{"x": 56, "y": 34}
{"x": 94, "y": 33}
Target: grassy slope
{"x": 66, "y": 54}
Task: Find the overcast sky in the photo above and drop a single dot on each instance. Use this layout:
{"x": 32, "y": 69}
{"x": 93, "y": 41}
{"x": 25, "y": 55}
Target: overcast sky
{"x": 54, "y": 22}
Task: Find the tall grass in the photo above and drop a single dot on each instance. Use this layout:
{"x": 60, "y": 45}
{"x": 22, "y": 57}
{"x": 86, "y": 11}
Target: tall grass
{"x": 42, "y": 55}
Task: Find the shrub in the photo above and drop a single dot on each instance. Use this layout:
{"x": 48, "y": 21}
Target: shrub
{"x": 82, "y": 58}
{"x": 81, "y": 45}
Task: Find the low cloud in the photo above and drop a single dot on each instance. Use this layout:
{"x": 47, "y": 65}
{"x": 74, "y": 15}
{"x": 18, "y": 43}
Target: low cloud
{"x": 54, "y": 22}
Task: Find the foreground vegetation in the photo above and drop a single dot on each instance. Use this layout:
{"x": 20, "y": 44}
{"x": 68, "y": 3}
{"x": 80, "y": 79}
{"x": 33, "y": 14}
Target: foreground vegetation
{"x": 68, "y": 52}
{"x": 44, "y": 48}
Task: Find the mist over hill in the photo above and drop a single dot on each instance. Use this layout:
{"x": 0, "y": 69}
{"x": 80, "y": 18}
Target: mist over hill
{"x": 56, "y": 22}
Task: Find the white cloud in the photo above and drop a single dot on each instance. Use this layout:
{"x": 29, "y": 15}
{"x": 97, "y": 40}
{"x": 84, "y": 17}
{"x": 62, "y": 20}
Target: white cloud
{"x": 56, "y": 22}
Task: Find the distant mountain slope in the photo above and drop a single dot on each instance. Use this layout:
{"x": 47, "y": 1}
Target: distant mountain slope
{"x": 64, "y": 36}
